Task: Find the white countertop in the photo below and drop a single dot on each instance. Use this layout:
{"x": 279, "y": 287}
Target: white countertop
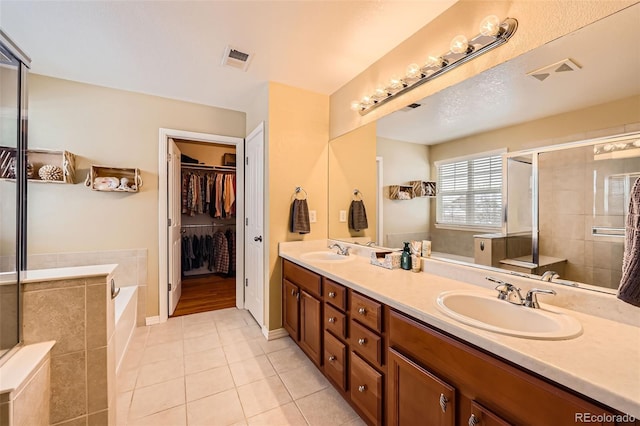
{"x": 603, "y": 363}
{"x": 22, "y": 364}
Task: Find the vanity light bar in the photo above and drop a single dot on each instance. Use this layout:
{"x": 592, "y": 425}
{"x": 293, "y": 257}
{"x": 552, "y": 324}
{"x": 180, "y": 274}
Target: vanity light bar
{"x": 493, "y": 33}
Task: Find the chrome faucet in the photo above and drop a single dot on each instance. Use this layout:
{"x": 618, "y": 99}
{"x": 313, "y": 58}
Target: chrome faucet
{"x": 549, "y": 276}
{"x": 507, "y": 291}
{"x": 531, "y": 300}
{"x": 370, "y": 244}
{"x": 344, "y": 251}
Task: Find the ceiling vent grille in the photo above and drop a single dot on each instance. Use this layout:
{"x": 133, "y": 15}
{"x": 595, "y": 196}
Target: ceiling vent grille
{"x": 563, "y": 66}
{"x": 235, "y": 58}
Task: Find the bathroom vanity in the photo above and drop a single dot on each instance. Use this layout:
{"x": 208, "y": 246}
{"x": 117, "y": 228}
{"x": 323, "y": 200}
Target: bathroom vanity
{"x": 377, "y": 336}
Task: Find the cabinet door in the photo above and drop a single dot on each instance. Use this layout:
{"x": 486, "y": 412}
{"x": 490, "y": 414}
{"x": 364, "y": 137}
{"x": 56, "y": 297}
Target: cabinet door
{"x": 290, "y": 313}
{"x": 366, "y": 389}
{"x": 311, "y": 326}
{"x": 482, "y": 416}
{"x": 416, "y": 396}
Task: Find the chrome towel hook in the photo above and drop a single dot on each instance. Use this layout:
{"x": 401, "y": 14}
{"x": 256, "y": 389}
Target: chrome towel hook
{"x": 298, "y": 190}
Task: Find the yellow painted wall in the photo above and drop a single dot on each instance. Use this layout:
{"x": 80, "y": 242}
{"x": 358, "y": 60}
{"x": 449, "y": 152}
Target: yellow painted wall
{"x": 107, "y": 127}
{"x": 352, "y": 165}
{"x": 539, "y": 22}
{"x": 298, "y": 137}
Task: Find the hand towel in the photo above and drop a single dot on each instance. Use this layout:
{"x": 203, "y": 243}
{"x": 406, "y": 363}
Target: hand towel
{"x": 357, "y": 216}
{"x": 300, "y": 217}
{"x": 629, "y": 290}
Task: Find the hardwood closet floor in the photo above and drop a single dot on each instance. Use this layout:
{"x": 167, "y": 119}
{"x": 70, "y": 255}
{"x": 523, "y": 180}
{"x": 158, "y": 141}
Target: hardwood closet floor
{"x": 207, "y": 293}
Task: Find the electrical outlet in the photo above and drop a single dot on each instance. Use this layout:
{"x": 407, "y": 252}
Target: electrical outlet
{"x": 343, "y": 215}
{"x": 312, "y": 216}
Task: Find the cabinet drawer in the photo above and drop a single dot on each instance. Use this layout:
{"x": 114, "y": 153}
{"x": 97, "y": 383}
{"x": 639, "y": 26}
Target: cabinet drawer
{"x": 366, "y": 311}
{"x": 335, "y": 294}
{"x": 366, "y": 389}
{"x": 335, "y": 321}
{"x": 335, "y": 354}
{"x": 303, "y": 278}
{"x": 365, "y": 342}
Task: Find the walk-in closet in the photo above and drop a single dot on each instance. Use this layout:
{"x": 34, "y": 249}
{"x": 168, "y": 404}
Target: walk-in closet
{"x": 208, "y": 194}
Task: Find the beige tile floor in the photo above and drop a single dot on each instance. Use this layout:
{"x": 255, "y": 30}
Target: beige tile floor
{"x": 216, "y": 368}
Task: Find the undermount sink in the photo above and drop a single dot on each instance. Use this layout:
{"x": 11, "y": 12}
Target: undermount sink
{"x": 490, "y": 313}
{"x": 326, "y": 256}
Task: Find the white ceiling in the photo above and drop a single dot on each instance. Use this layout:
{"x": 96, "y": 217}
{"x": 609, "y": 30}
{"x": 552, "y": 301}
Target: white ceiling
{"x": 174, "y": 48}
{"x": 607, "y": 50}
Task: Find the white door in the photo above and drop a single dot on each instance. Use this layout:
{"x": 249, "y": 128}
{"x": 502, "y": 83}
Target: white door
{"x": 254, "y": 226}
{"x": 174, "y": 210}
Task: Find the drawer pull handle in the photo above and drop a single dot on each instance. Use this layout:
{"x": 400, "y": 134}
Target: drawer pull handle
{"x": 473, "y": 420}
{"x": 362, "y": 311}
{"x": 332, "y": 320}
{"x": 362, "y": 388}
{"x": 362, "y": 341}
{"x": 332, "y": 294}
{"x": 293, "y": 292}
{"x": 332, "y": 358}
{"x": 443, "y": 404}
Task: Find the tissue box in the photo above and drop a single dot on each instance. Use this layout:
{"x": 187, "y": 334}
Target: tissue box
{"x": 386, "y": 259}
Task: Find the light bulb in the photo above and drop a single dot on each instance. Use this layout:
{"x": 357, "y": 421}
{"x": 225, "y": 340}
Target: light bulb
{"x": 459, "y": 44}
{"x": 413, "y": 71}
{"x": 366, "y": 101}
{"x": 356, "y": 106}
{"x": 395, "y": 82}
{"x": 490, "y": 26}
{"x": 435, "y": 62}
{"x": 380, "y": 93}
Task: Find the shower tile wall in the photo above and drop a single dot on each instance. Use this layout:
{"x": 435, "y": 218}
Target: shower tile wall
{"x": 572, "y": 197}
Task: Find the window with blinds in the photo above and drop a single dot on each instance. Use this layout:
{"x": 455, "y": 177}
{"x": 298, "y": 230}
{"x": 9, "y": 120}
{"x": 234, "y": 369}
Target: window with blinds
{"x": 470, "y": 191}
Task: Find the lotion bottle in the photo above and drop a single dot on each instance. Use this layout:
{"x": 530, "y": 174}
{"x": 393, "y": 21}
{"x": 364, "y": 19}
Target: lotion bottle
{"x": 405, "y": 258}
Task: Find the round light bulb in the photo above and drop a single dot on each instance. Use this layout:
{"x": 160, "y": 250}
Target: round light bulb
{"x": 395, "y": 82}
{"x": 356, "y": 106}
{"x": 366, "y": 101}
{"x": 434, "y": 62}
{"x": 490, "y": 26}
{"x": 380, "y": 93}
{"x": 459, "y": 44}
{"x": 413, "y": 71}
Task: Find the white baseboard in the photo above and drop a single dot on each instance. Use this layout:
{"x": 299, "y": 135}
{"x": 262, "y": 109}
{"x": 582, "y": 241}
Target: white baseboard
{"x": 152, "y": 320}
{"x": 274, "y": 334}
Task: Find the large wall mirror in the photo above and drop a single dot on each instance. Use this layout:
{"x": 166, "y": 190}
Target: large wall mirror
{"x": 529, "y": 176}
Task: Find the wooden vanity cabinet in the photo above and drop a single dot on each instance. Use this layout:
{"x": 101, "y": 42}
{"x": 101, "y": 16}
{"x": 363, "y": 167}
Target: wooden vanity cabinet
{"x": 302, "y": 309}
{"x": 488, "y": 390}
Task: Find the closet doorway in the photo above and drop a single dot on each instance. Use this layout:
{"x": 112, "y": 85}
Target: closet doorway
{"x": 201, "y": 244}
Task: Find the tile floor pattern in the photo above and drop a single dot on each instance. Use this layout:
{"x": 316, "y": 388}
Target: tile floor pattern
{"x": 216, "y": 368}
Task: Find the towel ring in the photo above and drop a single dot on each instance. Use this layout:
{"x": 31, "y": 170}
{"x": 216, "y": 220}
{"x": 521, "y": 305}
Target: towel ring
{"x": 298, "y": 190}
{"x": 357, "y": 192}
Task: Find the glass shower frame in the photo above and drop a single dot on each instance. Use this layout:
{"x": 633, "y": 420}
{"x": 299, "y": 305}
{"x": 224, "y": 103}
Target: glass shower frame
{"x": 535, "y": 189}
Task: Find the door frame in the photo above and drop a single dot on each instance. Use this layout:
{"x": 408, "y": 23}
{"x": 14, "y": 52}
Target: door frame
{"x": 163, "y": 237}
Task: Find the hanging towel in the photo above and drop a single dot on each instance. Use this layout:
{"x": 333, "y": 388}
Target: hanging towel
{"x": 300, "y": 217}
{"x": 357, "y": 216}
{"x": 629, "y": 290}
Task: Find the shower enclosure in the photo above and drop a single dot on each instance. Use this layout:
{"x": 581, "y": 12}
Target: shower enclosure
{"x": 13, "y": 136}
{"x": 566, "y": 206}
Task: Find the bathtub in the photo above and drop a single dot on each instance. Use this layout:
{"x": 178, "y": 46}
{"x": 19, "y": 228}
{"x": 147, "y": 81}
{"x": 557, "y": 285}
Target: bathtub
{"x": 126, "y": 306}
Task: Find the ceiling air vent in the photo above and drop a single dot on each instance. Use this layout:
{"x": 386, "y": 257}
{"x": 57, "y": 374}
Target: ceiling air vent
{"x": 411, "y": 107}
{"x": 563, "y": 66}
{"x": 235, "y": 58}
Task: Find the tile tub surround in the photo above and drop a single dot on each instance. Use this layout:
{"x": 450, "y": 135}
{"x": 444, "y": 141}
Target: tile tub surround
{"x": 576, "y": 363}
{"x": 25, "y": 386}
{"x": 73, "y": 306}
{"x": 131, "y": 268}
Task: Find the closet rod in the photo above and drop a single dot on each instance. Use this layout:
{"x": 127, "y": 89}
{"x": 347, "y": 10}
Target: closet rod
{"x": 205, "y": 167}
{"x": 212, "y": 225}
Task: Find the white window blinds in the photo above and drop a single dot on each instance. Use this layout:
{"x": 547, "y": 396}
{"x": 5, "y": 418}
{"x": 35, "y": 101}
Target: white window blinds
{"x": 470, "y": 191}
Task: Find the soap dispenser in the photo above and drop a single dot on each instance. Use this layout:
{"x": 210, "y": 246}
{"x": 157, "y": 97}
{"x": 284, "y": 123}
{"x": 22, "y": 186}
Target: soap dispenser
{"x": 405, "y": 258}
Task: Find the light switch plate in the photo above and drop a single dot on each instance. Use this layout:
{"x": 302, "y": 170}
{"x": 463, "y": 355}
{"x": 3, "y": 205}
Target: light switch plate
{"x": 343, "y": 215}
{"x": 312, "y": 216}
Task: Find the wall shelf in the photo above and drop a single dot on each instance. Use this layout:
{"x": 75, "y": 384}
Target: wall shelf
{"x": 113, "y": 179}
{"x": 62, "y": 161}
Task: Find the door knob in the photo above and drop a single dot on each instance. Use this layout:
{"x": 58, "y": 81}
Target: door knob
{"x": 258, "y": 238}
